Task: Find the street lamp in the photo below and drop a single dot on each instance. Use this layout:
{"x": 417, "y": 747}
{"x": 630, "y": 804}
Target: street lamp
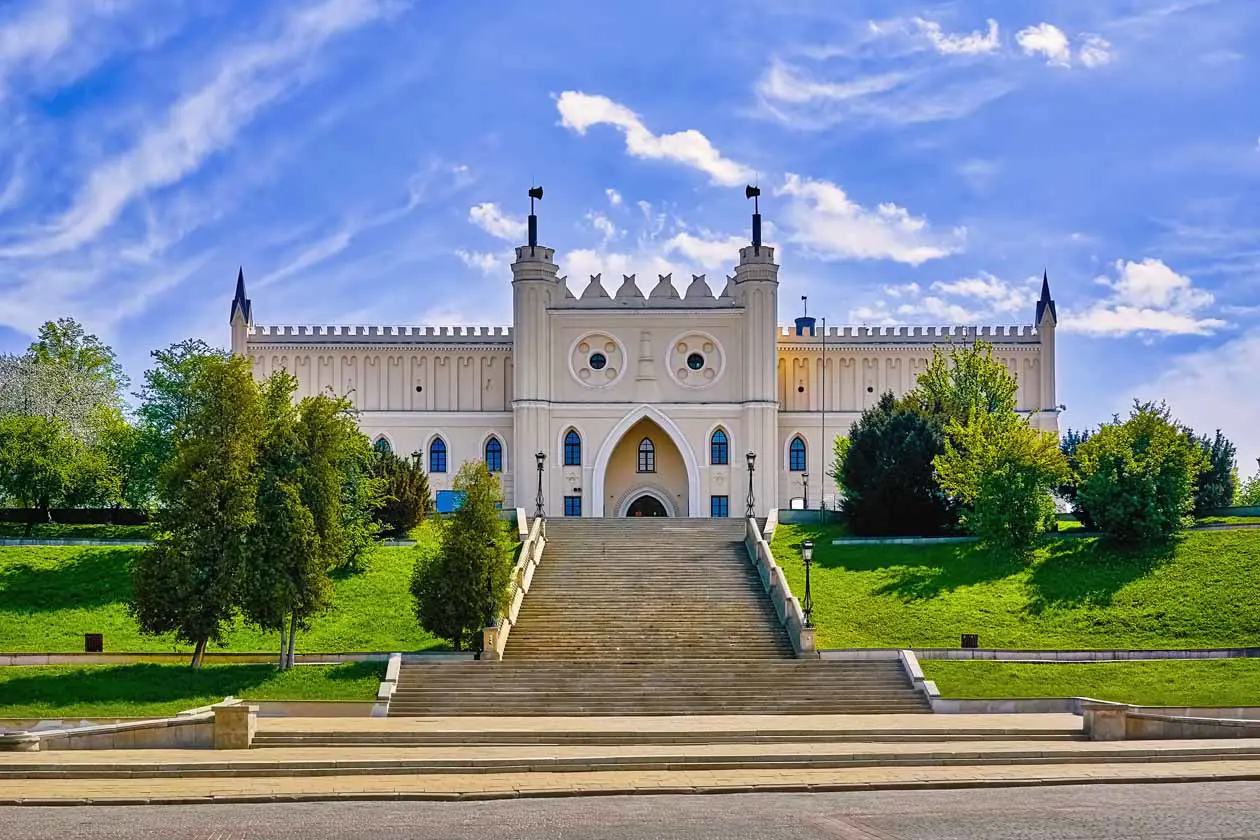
{"x": 807, "y": 603}
{"x": 805, "y": 490}
{"x": 752, "y": 499}
{"x": 415, "y": 458}
{"x": 541, "y": 457}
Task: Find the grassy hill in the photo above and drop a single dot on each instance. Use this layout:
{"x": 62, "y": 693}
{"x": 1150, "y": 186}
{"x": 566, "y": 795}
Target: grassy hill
{"x": 51, "y": 596}
{"x": 1204, "y": 591}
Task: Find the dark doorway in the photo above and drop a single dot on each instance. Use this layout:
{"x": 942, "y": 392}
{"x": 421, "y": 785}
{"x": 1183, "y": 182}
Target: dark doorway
{"x": 646, "y": 506}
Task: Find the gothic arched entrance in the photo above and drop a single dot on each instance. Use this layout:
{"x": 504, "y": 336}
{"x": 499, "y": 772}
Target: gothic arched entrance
{"x": 645, "y": 454}
{"x": 646, "y": 505}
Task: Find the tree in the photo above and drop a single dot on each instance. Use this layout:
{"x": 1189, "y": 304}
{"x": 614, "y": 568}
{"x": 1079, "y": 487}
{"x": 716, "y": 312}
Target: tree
{"x": 969, "y": 379}
{"x": 129, "y": 460}
{"x": 55, "y": 391}
{"x": 1218, "y": 482}
{"x": 887, "y": 475}
{"x": 1003, "y": 471}
{"x": 1249, "y": 491}
{"x": 1136, "y": 479}
{"x": 66, "y": 343}
{"x": 406, "y": 497}
{"x": 37, "y": 461}
{"x": 188, "y": 582}
{"x": 456, "y": 589}
{"x": 1068, "y": 445}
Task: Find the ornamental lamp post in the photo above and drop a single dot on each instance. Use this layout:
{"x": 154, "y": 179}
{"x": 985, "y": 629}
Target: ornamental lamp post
{"x": 807, "y": 603}
{"x": 415, "y": 458}
{"x": 752, "y": 499}
{"x": 805, "y": 491}
{"x": 541, "y": 458}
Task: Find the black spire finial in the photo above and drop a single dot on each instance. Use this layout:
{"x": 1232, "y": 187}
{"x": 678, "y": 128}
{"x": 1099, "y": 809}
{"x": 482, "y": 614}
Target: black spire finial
{"x": 754, "y": 192}
{"x": 534, "y": 193}
{"x": 1046, "y": 302}
{"x": 239, "y": 301}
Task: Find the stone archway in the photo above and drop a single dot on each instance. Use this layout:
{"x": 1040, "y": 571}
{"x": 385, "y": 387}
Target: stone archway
{"x": 646, "y": 505}
{"x": 617, "y": 480}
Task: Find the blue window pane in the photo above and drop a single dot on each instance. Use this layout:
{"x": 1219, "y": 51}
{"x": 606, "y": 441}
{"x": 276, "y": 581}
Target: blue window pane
{"x": 647, "y": 456}
{"x": 437, "y": 456}
{"x": 572, "y": 505}
{"x": 494, "y": 455}
{"x": 719, "y": 449}
{"x": 796, "y": 455}
{"x": 572, "y": 449}
{"x": 720, "y": 507}
{"x": 382, "y": 446}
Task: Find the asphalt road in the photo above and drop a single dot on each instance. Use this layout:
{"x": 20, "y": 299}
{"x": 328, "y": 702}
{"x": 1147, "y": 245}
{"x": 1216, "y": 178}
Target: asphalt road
{"x": 1212, "y": 811}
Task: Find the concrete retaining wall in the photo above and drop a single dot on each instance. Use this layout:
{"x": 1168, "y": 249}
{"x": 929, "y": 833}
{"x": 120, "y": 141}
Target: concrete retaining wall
{"x": 1120, "y": 722}
{"x": 1047, "y": 656}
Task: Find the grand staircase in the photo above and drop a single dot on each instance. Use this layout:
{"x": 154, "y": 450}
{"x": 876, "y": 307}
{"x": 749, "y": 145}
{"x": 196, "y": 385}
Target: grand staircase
{"x": 650, "y": 617}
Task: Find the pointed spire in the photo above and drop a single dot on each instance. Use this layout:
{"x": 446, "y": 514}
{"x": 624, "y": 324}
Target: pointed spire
{"x": 1046, "y": 303}
{"x": 239, "y": 301}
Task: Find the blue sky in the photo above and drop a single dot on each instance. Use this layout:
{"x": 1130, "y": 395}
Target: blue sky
{"x": 367, "y": 162}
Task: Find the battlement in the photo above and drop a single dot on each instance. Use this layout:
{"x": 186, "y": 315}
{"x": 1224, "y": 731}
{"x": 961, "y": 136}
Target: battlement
{"x": 318, "y": 334}
{"x": 1022, "y": 334}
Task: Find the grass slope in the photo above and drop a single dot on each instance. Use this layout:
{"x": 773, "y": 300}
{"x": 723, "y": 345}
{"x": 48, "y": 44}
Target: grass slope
{"x": 50, "y": 597}
{"x": 1189, "y": 682}
{"x": 1073, "y": 593}
{"x": 155, "y": 690}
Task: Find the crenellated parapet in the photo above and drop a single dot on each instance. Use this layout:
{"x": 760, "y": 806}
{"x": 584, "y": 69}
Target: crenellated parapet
{"x": 385, "y": 335}
{"x": 1020, "y": 334}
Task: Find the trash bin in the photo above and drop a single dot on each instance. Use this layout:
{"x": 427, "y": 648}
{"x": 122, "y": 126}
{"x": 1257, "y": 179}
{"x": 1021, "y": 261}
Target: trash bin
{"x": 93, "y": 643}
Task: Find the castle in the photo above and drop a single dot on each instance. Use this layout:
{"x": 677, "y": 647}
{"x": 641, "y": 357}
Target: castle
{"x": 630, "y": 405}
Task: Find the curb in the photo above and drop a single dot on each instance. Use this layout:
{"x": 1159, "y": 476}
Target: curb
{"x": 662, "y": 790}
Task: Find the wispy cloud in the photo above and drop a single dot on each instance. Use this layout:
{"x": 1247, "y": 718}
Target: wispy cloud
{"x": 1147, "y": 298}
{"x": 495, "y": 222}
{"x": 979, "y": 299}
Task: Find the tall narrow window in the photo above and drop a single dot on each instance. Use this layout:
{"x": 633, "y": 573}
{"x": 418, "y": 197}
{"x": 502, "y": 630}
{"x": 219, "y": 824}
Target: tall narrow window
{"x": 437, "y": 456}
{"x": 719, "y": 449}
{"x": 382, "y": 447}
{"x": 796, "y": 455}
{"x": 572, "y": 449}
{"x": 494, "y": 455}
{"x": 647, "y": 456}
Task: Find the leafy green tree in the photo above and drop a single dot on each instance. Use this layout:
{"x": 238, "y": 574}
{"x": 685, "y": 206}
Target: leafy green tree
{"x": 467, "y": 580}
{"x": 1003, "y": 471}
{"x": 189, "y": 581}
{"x": 66, "y": 343}
{"x": 37, "y": 461}
{"x": 1249, "y": 491}
{"x": 886, "y": 473}
{"x": 1218, "y": 482}
{"x": 968, "y": 379}
{"x": 406, "y": 497}
{"x": 130, "y": 462}
{"x": 1068, "y": 445}
{"x": 1136, "y": 479}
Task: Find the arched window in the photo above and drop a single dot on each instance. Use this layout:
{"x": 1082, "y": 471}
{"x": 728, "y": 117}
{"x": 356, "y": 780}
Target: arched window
{"x": 437, "y": 456}
{"x": 494, "y": 455}
{"x": 572, "y": 449}
{"x": 796, "y": 455}
{"x": 647, "y": 456}
{"x": 382, "y": 447}
{"x": 719, "y": 449}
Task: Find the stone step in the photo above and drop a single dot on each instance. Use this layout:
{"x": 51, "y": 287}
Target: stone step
{"x": 605, "y": 738}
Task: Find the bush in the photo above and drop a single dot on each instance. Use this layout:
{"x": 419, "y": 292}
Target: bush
{"x": 1068, "y": 445}
{"x": 1136, "y": 480}
{"x": 1249, "y": 493}
{"x": 886, "y": 472}
{"x": 407, "y": 498}
{"x": 1218, "y": 482}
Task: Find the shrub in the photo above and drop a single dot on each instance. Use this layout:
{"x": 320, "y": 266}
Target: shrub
{"x": 1218, "y": 482}
{"x": 407, "y": 497}
{"x": 1136, "y": 480}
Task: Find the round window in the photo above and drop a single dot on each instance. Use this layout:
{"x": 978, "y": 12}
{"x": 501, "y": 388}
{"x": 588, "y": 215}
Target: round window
{"x": 695, "y": 361}
{"x": 598, "y": 361}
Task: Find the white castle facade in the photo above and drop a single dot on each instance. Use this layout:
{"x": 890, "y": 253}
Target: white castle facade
{"x": 634, "y": 405}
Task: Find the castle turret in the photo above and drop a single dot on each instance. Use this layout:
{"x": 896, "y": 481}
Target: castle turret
{"x": 755, "y": 287}
{"x": 535, "y": 287}
{"x": 1047, "y": 321}
{"x": 242, "y": 315}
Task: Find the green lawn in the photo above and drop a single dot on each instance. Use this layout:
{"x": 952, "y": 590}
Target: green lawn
{"x": 156, "y": 690}
{"x": 53, "y": 531}
{"x": 1193, "y": 682}
{"x": 1074, "y": 593}
{"x": 51, "y": 596}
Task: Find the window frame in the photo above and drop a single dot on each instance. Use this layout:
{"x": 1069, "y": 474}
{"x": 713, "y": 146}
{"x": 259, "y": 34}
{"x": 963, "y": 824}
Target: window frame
{"x": 496, "y": 467}
{"x": 572, "y": 448}
{"x": 647, "y": 456}
{"x": 724, "y": 443}
{"x": 573, "y": 506}
{"x": 438, "y": 449}
{"x": 795, "y": 448}
{"x": 724, "y": 502}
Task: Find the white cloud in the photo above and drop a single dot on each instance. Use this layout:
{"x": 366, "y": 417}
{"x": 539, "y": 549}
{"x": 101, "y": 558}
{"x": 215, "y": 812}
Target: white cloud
{"x": 581, "y": 263}
{"x": 1146, "y": 298}
{"x": 708, "y": 252}
{"x": 983, "y": 298}
{"x": 603, "y": 225}
{"x": 973, "y": 43}
{"x": 1095, "y": 51}
{"x": 998, "y": 296}
{"x": 792, "y": 85}
{"x": 614, "y": 197}
{"x": 201, "y": 122}
{"x": 495, "y": 222}
{"x": 579, "y": 111}
{"x": 1047, "y": 40}
{"x": 487, "y": 263}
{"x": 1208, "y": 390}
{"x": 831, "y": 226}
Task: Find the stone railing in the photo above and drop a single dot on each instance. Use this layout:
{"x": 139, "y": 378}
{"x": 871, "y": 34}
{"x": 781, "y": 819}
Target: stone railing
{"x": 229, "y": 725}
{"x": 1120, "y": 722}
{"x": 494, "y": 638}
{"x": 785, "y": 603}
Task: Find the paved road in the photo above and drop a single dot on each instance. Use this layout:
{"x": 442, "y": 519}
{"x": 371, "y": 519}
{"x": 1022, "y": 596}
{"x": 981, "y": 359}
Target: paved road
{"x": 1215, "y": 811}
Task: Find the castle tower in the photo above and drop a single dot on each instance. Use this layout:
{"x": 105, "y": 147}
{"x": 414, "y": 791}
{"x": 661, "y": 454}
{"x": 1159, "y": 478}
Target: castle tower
{"x": 1047, "y": 320}
{"x": 241, "y": 317}
{"x": 534, "y": 289}
{"x": 755, "y": 287}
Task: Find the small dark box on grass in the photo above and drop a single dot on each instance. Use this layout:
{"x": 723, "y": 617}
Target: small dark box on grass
{"x": 971, "y": 640}
{"x": 93, "y": 643}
